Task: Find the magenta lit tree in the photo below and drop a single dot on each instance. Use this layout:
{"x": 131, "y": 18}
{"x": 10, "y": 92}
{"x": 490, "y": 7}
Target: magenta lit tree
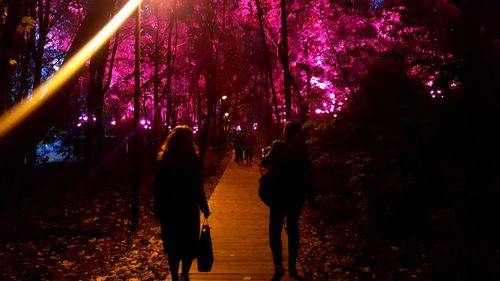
{"x": 195, "y": 52}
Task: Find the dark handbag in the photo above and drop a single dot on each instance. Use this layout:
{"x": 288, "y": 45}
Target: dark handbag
{"x": 266, "y": 183}
{"x": 205, "y": 251}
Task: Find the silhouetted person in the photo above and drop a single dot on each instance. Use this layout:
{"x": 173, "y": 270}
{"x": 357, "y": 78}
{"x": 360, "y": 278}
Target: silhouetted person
{"x": 291, "y": 169}
{"x": 249, "y": 145}
{"x": 238, "y": 140}
{"x": 178, "y": 198}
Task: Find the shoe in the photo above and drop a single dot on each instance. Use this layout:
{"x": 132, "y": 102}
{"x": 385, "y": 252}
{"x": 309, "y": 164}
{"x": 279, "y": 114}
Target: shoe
{"x": 278, "y": 273}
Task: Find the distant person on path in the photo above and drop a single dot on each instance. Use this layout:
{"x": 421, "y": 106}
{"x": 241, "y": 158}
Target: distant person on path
{"x": 178, "y": 198}
{"x": 249, "y": 146}
{"x": 238, "y": 139}
{"x": 290, "y": 165}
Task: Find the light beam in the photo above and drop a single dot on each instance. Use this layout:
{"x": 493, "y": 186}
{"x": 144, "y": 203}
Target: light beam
{"x": 44, "y": 92}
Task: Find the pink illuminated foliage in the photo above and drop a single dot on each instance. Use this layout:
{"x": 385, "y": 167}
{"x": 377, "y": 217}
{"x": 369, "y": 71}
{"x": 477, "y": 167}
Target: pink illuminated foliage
{"x": 216, "y": 49}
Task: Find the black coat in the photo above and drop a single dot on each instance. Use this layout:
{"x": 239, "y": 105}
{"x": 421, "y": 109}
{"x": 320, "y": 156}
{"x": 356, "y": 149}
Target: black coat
{"x": 178, "y": 197}
{"x": 290, "y": 166}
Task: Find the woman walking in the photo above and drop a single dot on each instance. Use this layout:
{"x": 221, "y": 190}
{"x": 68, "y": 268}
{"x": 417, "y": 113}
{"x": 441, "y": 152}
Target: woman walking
{"x": 178, "y": 198}
{"x": 289, "y": 164}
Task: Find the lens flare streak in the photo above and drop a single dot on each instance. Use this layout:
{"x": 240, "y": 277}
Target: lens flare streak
{"x": 44, "y": 92}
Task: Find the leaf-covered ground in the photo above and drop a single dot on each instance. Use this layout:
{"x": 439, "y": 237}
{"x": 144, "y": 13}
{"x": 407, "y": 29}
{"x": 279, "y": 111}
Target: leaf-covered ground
{"x": 88, "y": 238}
{"x": 344, "y": 251}
{"x": 56, "y": 237}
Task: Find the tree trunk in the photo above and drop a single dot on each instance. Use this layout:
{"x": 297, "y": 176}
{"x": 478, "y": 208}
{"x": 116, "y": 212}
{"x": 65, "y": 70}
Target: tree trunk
{"x": 171, "y": 120}
{"x": 137, "y": 137}
{"x": 95, "y": 106}
{"x": 34, "y": 127}
{"x": 285, "y": 61}
{"x": 168, "y": 85}
{"x": 7, "y": 46}
{"x": 43, "y": 22}
{"x": 95, "y": 99}
{"x": 268, "y": 63}
{"x": 217, "y": 87}
{"x": 157, "y": 141}
{"x": 112, "y": 63}
{"x": 211, "y": 73}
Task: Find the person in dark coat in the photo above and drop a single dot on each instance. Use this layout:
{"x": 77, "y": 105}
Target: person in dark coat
{"x": 178, "y": 198}
{"x": 238, "y": 141}
{"x": 249, "y": 147}
{"x": 289, "y": 163}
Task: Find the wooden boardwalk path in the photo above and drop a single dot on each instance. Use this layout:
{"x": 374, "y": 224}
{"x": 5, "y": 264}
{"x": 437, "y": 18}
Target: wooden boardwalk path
{"x": 239, "y": 228}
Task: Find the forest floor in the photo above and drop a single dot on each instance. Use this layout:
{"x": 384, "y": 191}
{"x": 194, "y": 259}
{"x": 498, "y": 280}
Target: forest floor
{"x": 51, "y": 233}
{"x": 86, "y": 236}
{"x": 343, "y": 251}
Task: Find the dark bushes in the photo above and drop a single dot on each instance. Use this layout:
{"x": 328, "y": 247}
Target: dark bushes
{"x": 400, "y": 161}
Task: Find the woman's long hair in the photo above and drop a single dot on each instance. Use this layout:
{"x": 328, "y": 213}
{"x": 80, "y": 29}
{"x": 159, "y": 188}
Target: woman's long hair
{"x": 180, "y": 142}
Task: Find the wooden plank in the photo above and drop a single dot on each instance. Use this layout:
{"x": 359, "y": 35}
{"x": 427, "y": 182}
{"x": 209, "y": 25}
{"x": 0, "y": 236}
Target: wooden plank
{"x": 239, "y": 228}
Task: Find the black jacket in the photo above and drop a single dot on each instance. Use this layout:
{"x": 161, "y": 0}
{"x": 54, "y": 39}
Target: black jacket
{"x": 179, "y": 185}
{"x": 291, "y": 168}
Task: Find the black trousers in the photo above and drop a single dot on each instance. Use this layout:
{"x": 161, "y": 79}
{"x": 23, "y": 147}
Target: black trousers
{"x": 276, "y": 219}
{"x": 249, "y": 155}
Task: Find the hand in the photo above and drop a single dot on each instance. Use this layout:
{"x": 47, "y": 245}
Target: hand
{"x": 207, "y": 214}
{"x": 262, "y": 170}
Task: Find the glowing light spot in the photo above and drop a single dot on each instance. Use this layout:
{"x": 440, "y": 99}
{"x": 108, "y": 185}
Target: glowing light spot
{"x": 255, "y": 125}
{"x": 113, "y": 123}
{"x": 41, "y": 94}
{"x": 238, "y": 128}
{"x": 224, "y": 97}
{"x": 94, "y": 119}
{"x": 226, "y": 114}
{"x": 79, "y": 124}
{"x": 322, "y": 85}
{"x": 143, "y": 122}
{"x": 319, "y": 111}
{"x": 85, "y": 118}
